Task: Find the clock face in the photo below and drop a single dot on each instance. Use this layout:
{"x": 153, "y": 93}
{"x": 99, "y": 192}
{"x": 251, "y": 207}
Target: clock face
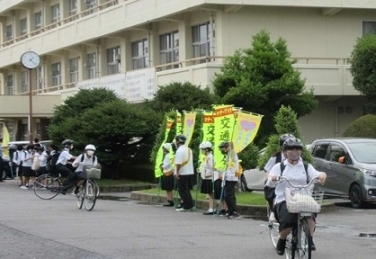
{"x": 30, "y": 60}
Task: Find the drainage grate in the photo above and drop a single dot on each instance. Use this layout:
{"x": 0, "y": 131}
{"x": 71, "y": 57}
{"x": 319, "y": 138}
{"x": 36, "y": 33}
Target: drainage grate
{"x": 373, "y": 235}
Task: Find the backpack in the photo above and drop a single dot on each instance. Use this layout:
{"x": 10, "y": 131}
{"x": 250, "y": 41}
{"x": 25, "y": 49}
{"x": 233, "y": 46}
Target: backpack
{"x": 305, "y": 168}
{"x": 51, "y": 161}
{"x": 278, "y": 157}
{"x": 83, "y": 157}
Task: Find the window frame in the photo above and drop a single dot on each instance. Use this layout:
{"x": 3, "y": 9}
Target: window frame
{"x": 23, "y": 23}
{"x": 140, "y": 61}
{"x": 56, "y": 74}
{"x": 73, "y": 70}
{"x": 113, "y": 62}
{"x": 91, "y": 65}
{"x": 169, "y": 49}
{"x": 364, "y": 23}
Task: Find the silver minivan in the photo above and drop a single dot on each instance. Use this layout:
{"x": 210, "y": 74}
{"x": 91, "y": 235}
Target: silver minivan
{"x": 350, "y": 165}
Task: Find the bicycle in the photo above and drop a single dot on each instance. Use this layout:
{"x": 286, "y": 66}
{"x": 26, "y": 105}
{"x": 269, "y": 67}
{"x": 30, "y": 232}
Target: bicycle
{"x": 306, "y": 203}
{"x": 88, "y": 191}
{"x": 48, "y": 187}
{"x": 273, "y": 227}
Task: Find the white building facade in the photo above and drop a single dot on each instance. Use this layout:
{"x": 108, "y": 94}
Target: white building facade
{"x": 132, "y": 46}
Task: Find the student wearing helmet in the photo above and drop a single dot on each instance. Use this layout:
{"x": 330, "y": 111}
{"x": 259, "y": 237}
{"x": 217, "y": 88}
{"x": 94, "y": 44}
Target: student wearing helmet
{"x": 168, "y": 175}
{"x": 61, "y": 165}
{"x": 86, "y": 159}
{"x": 207, "y": 174}
{"x": 294, "y": 170}
{"x": 276, "y": 158}
{"x": 183, "y": 172}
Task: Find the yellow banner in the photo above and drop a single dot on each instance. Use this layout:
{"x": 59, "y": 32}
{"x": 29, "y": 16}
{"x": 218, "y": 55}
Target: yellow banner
{"x": 5, "y": 141}
{"x": 246, "y": 128}
{"x": 189, "y": 125}
{"x": 224, "y": 121}
{"x": 179, "y": 125}
{"x": 159, "y": 159}
{"x": 208, "y": 131}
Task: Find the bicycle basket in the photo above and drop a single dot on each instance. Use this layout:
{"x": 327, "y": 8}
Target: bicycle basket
{"x": 302, "y": 201}
{"x": 93, "y": 173}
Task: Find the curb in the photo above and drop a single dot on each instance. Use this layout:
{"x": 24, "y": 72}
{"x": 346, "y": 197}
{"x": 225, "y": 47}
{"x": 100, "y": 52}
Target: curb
{"x": 125, "y": 188}
{"x": 255, "y": 211}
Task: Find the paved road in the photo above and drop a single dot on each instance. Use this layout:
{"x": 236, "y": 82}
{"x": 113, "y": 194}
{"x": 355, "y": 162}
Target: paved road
{"x": 34, "y": 228}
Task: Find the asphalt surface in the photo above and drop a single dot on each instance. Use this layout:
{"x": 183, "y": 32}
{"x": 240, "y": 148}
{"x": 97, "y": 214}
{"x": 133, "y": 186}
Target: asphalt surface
{"x": 34, "y": 228}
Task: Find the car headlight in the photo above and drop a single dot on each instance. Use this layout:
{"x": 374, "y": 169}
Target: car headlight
{"x": 368, "y": 172}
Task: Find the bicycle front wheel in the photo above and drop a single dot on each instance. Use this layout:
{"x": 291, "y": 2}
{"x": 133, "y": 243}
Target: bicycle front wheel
{"x": 91, "y": 190}
{"x": 47, "y": 187}
{"x": 304, "y": 248}
{"x": 81, "y": 197}
{"x": 273, "y": 229}
{"x": 290, "y": 245}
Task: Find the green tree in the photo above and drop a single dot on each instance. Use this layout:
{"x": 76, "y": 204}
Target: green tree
{"x": 112, "y": 126}
{"x": 363, "y": 66}
{"x": 181, "y": 96}
{"x": 363, "y": 127}
{"x": 261, "y": 79}
{"x": 285, "y": 122}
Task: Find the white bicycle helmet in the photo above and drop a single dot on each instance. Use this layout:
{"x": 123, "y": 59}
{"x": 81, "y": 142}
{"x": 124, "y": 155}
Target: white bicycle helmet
{"x": 90, "y": 147}
{"x": 167, "y": 146}
{"x": 206, "y": 144}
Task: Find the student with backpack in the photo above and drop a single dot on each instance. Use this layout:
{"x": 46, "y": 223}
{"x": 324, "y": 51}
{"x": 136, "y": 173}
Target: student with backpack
{"x": 61, "y": 165}
{"x": 269, "y": 192}
{"x": 86, "y": 159}
{"x": 300, "y": 173}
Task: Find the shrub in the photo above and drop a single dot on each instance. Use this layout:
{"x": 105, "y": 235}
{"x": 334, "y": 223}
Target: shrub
{"x": 363, "y": 127}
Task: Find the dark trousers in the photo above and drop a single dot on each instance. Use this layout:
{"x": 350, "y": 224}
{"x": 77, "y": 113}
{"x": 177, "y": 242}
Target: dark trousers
{"x": 184, "y": 191}
{"x": 229, "y": 195}
{"x": 70, "y": 178}
{"x": 1, "y": 168}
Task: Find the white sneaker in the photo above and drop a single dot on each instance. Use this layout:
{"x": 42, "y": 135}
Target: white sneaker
{"x": 24, "y": 187}
{"x": 272, "y": 218}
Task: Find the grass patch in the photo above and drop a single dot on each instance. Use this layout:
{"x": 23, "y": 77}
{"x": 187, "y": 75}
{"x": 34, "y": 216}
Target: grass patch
{"x": 112, "y": 182}
{"x": 242, "y": 198}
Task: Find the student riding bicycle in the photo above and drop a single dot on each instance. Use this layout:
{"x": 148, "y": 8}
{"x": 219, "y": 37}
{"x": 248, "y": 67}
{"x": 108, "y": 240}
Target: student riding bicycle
{"x": 61, "y": 165}
{"x": 295, "y": 171}
{"x": 86, "y": 159}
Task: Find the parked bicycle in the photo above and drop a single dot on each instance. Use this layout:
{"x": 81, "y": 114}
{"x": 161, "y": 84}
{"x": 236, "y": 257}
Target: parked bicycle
{"x": 303, "y": 200}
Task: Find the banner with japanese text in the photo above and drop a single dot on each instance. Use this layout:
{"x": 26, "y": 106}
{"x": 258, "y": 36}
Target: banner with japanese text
{"x": 179, "y": 124}
{"x": 246, "y": 128}
{"x": 188, "y": 126}
{"x": 224, "y": 121}
{"x": 159, "y": 159}
{"x": 208, "y": 131}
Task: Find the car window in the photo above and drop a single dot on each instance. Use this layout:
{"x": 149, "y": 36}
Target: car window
{"x": 364, "y": 152}
{"x": 320, "y": 150}
{"x": 336, "y": 151}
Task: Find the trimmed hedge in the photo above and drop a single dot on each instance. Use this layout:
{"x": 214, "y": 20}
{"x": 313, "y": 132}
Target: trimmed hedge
{"x": 363, "y": 127}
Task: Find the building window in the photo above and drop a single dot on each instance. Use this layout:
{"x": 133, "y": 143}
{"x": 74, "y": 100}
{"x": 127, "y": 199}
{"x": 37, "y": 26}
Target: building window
{"x": 38, "y": 20}
{"x": 140, "y": 54}
{"x": 40, "y": 77}
{"x": 369, "y": 28}
{"x": 169, "y": 49}
{"x": 73, "y": 70}
{"x": 10, "y": 86}
{"x": 113, "y": 60}
{"x": 90, "y": 6}
{"x": 91, "y": 65}
{"x": 55, "y": 14}
{"x": 201, "y": 40}
{"x": 24, "y": 81}
{"x": 56, "y": 74}
{"x": 9, "y": 32}
{"x": 23, "y": 26}
{"x": 72, "y": 7}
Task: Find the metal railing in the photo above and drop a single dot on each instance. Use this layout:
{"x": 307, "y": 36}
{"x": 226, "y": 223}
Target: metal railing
{"x": 61, "y": 22}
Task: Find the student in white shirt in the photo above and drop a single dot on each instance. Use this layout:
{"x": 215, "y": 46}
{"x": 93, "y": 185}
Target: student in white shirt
{"x": 168, "y": 175}
{"x": 295, "y": 172}
{"x": 207, "y": 174}
{"x": 27, "y": 161}
{"x": 183, "y": 172}
{"x": 86, "y": 159}
{"x": 61, "y": 165}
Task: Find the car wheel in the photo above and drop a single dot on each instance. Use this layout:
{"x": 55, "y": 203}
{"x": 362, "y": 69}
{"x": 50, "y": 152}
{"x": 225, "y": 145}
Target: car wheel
{"x": 355, "y": 195}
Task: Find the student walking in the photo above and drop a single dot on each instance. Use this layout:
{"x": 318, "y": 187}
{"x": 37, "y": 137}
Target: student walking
{"x": 168, "y": 175}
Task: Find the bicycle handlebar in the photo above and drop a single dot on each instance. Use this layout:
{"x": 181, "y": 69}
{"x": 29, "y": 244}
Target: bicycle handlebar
{"x": 313, "y": 181}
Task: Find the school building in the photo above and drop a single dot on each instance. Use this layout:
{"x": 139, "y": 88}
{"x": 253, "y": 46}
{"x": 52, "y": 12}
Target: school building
{"x": 132, "y": 46}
